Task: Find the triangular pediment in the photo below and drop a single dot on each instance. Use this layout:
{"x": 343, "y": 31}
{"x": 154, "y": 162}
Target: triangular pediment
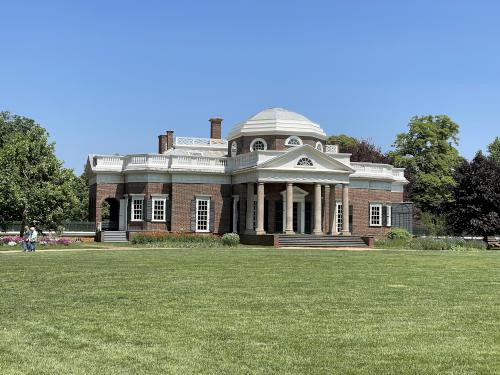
{"x": 319, "y": 160}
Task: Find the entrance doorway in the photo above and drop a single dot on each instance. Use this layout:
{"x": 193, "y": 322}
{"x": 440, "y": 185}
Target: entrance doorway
{"x": 110, "y": 213}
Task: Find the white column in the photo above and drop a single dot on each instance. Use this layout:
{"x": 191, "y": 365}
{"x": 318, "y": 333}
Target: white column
{"x": 333, "y": 213}
{"x": 345, "y": 210}
{"x": 260, "y": 209}
{"x": 249, "y": 216}
{"x": 289, "y": 208}
{"x": 317, "y": 209}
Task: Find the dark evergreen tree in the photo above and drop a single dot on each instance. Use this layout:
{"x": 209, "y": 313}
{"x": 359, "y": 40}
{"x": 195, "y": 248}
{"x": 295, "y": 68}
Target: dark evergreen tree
{"x": 475, "y": 209}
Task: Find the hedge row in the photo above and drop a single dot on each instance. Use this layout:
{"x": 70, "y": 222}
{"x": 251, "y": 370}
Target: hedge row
{"x": 185, "y": 239}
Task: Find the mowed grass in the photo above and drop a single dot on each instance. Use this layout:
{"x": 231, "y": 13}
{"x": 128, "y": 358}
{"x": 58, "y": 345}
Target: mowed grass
{"x": 254, "y": 311}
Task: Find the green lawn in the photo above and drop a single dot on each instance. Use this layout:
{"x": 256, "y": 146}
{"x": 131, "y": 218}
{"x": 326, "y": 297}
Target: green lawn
{"x": 254, "y": 311}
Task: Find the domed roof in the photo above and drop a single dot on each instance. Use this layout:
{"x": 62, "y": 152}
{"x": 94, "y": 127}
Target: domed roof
{"x": 277, "y": 121}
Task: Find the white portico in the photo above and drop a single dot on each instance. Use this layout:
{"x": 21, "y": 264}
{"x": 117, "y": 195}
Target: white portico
{"x": 299, "y": 165}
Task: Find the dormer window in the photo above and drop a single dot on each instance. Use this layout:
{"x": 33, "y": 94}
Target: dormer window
{"x": 234, "y": 149}
{"x": 305, "y": 162}
{"x": 319, "y": 146}
{"x": 258, "y": 144}
{"x": 293, "y": 141}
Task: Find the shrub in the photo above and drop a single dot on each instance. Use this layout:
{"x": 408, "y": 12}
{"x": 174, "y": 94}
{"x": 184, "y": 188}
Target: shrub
{"x": 231, "y": 239}
{"x": 177, "y": 240}
{"x": 399, "y": 234}
{"x": 429, "y": 243}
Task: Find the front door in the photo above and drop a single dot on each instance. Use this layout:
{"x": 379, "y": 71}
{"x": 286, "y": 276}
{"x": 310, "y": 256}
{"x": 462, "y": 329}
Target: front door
{"x": 122, "y": 217}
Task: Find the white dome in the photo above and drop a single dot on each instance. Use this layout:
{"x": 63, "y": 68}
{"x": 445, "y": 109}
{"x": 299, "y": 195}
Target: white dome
{"x": 274, "y": 121}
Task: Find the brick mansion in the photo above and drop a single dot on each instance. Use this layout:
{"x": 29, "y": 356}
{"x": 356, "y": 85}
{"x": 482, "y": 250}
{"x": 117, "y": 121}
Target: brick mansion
{"x": 273, "y": 175}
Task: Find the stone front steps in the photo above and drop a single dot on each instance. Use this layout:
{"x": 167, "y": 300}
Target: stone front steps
{"x": 114, "y": 236}
{"x": 299, "y": 240}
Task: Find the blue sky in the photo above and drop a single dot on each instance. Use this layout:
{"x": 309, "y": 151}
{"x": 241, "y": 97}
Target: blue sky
{"x": 109, "y": 76}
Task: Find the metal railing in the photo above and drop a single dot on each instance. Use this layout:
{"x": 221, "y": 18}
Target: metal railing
{"x": 69, "y": 226}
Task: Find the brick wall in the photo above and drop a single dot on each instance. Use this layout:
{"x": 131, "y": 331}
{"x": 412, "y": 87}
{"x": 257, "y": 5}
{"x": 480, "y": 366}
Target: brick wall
{"x": 183, "y": 194}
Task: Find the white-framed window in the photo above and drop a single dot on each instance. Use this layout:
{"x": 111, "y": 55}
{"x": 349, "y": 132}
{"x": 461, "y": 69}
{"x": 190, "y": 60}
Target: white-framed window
{"x": 293, "y": 141}
{"x": 258, "y": 144}
{"x": 137, "y": 208}
{"x": 234, "y": 149}
{"x": 319, "y": 146}
{"x": 339, "y": 216}
{"x": 202, "y": 214}
{"x": 159, "y": 206}
{"x": 305, "y": 162}
{"x": 375, "y": 215}
{"x": 389, "y": 215}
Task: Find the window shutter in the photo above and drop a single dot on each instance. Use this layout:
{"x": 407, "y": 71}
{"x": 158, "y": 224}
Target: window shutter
{"x": 129, "y": 209}
{"x": 193, "y": 215}
{"x": 146, "y": 210}
{"x": 389, "y": 215}
{"x": 212, "y": 216}
{"x": 384, "y": 216}
{"x": 350, "y": 218}
{"x": 168, "y": 211}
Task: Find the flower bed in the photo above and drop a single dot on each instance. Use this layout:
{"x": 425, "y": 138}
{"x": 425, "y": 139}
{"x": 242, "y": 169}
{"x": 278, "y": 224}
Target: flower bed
{"x": 43, "y": 241}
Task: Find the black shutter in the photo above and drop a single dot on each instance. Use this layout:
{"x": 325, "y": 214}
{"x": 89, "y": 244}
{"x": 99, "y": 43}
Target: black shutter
{"x": 193, "y": 215}
{"x": 212, "y": 216}
{"x": 129, "y": 210}
{"x": 168, "y": 211}
{"x": 350, "y": 219}
{"x": 384, "y": 216}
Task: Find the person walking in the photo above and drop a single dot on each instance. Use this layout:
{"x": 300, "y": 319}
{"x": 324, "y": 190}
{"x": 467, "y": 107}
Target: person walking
{"x": 33, "y": 239}
{"x": 26, "y": 239}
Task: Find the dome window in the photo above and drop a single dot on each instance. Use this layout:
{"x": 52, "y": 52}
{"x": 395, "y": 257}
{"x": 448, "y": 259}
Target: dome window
{"x": 258, "y": 144}
{"x": 293, "y": 141}
{"x": 234, "y": 149}
{"x": 319, "y": 146}
{"x": 305, "y": 162}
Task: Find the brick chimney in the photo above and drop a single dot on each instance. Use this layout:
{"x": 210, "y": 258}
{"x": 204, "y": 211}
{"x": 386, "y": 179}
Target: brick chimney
{"x": 215, "y": 127}
{"x": 165, "y": 141}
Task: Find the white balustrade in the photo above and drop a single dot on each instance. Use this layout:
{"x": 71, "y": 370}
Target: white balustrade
{"x": 194, "y": 141}
{"x": 332, "y": 149}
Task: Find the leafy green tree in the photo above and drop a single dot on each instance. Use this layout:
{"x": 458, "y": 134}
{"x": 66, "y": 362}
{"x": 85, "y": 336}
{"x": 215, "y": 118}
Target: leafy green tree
{"x": 80, "y": 211}
{"x": 344, "y": 141}
{"x": 34, "y": 186}
{"x": 360, "y": 150}
{"x": 494, "y": 149}
{"x": 427, "y": 152}
{"x": 475, "y": 209}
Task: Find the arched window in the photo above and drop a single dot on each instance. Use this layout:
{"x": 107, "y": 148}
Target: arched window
{"x": 234, "y": 149}
{"x": 293, "y": 141}
{"x": 258, "y": 144}
{"x": 319, "y": 146}
{"x": 305, "y": 162}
